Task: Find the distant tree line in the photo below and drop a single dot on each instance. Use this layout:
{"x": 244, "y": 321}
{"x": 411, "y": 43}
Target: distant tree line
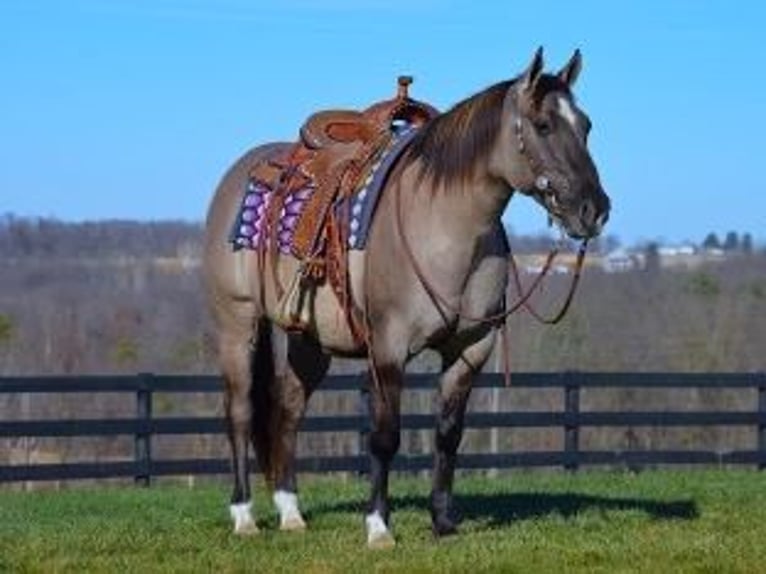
{"x": 44, "y": 237}
{"x": 732, "y": 242}
{"x": 100, "y": 297}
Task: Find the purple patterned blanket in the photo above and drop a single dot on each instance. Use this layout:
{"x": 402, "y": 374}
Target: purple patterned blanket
{"x": 249, "y": 230}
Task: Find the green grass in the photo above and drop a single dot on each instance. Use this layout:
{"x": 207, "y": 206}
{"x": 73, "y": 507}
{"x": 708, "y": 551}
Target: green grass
{"x": 696, "y": 521}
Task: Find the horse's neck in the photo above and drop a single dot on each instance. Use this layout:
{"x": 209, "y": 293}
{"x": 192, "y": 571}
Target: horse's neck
{"x": 447, "y": 226}
{"x": 465, "y": 210}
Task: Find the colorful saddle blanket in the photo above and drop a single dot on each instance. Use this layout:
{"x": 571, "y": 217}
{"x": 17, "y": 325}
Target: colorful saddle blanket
{"x": 251, "y": 231}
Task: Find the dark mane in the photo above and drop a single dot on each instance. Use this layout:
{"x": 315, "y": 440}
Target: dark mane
{"x": 450, "y": 145}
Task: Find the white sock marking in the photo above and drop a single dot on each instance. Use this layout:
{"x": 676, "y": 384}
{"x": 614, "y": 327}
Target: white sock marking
{"x": 242, "y": 515}
{"x": 287, "y": 506}
{"x": 376, "y": 527}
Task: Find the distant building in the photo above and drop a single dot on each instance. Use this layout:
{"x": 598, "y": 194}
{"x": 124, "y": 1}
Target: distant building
{"x": 676, "y": 250}
{"x": 714, "y": 253}
{"x": 621, "y": 260}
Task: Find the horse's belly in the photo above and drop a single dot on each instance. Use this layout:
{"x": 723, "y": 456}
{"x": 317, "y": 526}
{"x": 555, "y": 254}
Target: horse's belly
{"x": 326, "y": 320}
{"x": 330, "y": 325}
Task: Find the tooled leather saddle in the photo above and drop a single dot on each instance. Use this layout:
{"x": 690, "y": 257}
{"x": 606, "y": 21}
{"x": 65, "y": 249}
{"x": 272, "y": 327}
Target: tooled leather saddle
{"x": 299, "y": 201}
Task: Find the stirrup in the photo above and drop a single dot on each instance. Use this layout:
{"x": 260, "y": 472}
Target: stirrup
{"x": 293, "y": 312}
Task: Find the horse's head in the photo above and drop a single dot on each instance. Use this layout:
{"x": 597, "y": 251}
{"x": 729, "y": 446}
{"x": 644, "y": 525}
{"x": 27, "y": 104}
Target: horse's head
{"x": 543, "y": 149}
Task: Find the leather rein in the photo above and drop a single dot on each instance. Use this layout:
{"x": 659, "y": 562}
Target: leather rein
{"x": 441, "y": 302}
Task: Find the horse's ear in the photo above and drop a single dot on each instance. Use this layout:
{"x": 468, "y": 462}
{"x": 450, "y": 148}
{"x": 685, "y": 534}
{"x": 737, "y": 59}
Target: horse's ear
{"x": 533, "y": 71}
{"x": 568, "y": 74}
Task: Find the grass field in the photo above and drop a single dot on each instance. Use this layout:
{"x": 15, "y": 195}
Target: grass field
{"x": 695, "y": 521}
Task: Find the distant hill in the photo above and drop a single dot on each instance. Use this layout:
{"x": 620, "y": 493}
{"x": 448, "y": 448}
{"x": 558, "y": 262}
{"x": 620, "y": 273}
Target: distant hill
{"x": 41, "y": 237}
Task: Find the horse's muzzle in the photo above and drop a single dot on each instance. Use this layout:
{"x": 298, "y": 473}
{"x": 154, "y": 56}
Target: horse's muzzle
{"x": 588, "y": 218}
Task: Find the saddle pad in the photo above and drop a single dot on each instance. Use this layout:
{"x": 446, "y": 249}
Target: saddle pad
{"x": 249, "y": 230}
{"x": 364, "y": 201}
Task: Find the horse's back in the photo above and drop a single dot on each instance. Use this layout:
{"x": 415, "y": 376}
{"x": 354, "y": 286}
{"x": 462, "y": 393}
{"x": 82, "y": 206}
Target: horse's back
{"x": 231, "y": 189}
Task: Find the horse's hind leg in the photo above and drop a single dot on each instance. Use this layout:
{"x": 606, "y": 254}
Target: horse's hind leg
{"x": 305, "y": 368}
{"x": 235, "y": 358}
{"x": 454, "y": 389}
{"x": 390, "y": 353}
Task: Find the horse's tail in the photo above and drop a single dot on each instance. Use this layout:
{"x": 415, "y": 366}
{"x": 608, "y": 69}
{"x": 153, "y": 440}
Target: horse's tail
{"x": 264, "y": 397}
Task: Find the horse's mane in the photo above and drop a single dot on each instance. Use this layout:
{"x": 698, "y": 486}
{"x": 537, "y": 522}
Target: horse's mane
{"x": 449, "y": 146}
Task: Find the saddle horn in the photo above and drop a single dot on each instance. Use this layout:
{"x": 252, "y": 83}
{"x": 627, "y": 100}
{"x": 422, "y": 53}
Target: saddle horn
{"x": 403, "y": 85}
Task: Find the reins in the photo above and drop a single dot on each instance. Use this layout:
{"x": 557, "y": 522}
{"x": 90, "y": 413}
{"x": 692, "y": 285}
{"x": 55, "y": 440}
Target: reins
{"x": 442, "y": 303}
{"x": 570, "y": 294}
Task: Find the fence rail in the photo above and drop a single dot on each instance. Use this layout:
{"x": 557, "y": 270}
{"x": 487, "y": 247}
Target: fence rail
{"x": 144, "y": 426}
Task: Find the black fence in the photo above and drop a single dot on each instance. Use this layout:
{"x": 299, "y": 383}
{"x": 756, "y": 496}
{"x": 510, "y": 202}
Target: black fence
{"x": 142, "y": 467}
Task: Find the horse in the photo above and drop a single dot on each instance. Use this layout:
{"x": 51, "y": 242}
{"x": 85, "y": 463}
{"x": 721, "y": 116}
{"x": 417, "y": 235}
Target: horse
{"x": 433, "y": 275}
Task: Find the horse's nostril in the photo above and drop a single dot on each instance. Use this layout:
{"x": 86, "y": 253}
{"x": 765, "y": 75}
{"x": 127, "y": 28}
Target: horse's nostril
{"x": 587, "y": 211}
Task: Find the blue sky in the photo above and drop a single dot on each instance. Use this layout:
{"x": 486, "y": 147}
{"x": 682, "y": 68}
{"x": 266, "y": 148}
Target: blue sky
{"x": 135, "y": 108}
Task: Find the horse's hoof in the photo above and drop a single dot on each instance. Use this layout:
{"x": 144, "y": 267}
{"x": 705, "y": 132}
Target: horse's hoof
{"x": 290, "y": 519}
{"x": 293, "y": 524}
{"x": 242, "y": 515}
{"x": 444, "y": 528}
{"x": 379, "y": 537}
{"x": 381, "y": 541}
{"x": 246, "y": 529}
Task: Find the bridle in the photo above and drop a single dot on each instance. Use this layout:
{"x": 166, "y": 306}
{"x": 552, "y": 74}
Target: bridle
{"x": 546, "y": 181}
{"x": 552, "y": 183}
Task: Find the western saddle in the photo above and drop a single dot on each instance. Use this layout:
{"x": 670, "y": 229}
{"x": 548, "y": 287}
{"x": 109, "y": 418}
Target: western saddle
{"x": 334, "y": 153}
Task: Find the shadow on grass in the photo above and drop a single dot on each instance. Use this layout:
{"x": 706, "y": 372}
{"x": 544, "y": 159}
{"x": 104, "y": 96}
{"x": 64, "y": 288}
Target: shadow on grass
{"x": 505, "y": 508}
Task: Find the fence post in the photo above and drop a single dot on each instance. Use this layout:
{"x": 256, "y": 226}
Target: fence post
{"x": 762, "y": 421}
{"x": 571, "y": 422}
{"x": 143, "y": 437}
{"x": 364, "y": 429}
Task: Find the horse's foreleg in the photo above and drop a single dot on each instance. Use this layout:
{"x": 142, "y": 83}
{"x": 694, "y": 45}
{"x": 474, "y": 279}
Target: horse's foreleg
{"x": 306, "y": 367}
{"x": 235, "y": 360}
{"x": 454, "y": 389}
{"x": 383, "y": 444}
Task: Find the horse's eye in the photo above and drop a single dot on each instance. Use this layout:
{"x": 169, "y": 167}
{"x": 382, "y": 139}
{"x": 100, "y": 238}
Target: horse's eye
{"x": 543, "y": 128}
